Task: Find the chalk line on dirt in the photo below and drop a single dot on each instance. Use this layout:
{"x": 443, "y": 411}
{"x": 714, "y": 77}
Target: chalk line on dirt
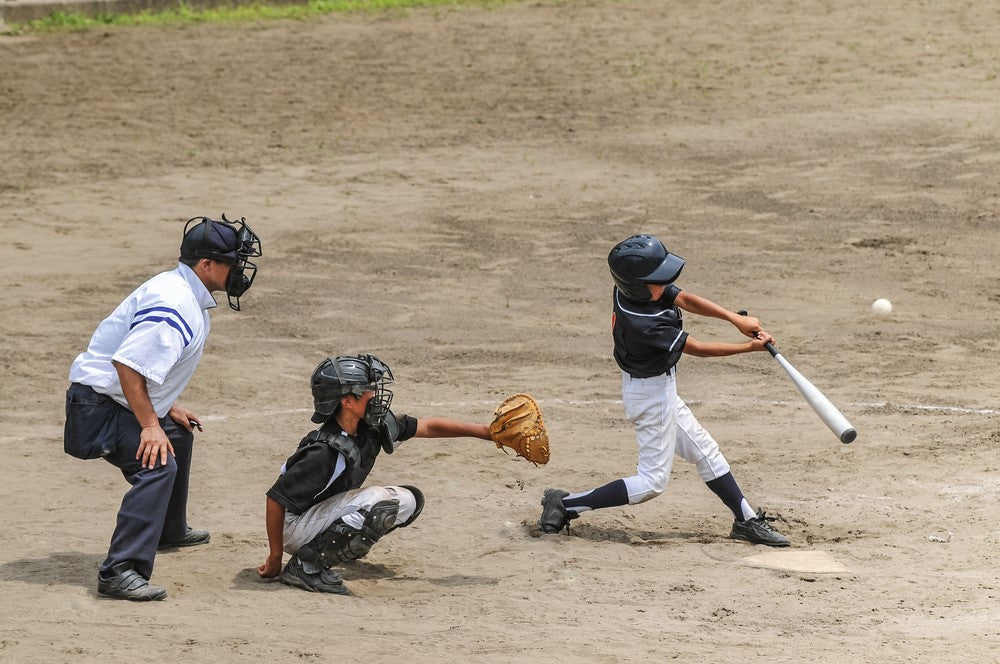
{"x": 957, "y": 410}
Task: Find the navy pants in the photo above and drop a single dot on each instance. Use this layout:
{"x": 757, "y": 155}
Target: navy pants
{"x": 154, "y": 509}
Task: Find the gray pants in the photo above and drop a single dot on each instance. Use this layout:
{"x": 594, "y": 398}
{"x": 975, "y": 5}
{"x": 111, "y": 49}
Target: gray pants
{"x": 154, "y": 509}
{"x": 302, "y": 528}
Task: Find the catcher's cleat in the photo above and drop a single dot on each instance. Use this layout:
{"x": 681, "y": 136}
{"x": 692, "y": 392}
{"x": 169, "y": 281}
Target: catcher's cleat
{"x": 555, "y": 516}
{"x": 758, "y": 530}
{"x": 313, "y": 578}
{"x": 340, "y": 542}
{"x": 126, "y": 583}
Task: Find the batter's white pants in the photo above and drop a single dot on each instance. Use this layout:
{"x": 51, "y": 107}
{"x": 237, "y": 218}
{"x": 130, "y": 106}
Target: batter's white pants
{"x": 664, "y": 426}
{"x": 302, "y": 528}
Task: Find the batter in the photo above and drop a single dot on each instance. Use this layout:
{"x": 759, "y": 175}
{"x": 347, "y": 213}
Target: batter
{"x": 649, "y": 340}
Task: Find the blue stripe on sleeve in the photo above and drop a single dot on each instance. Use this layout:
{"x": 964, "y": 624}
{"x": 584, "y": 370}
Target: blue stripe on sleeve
{"x": 169, "y": 311}
{"x": 163, "y": 319}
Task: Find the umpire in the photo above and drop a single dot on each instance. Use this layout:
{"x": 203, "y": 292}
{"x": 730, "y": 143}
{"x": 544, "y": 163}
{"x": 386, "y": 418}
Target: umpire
{"x": 121, "y": 402}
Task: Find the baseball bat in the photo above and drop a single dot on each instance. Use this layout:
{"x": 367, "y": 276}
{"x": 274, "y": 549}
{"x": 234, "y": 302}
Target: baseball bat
{"x": 817, "y": 400}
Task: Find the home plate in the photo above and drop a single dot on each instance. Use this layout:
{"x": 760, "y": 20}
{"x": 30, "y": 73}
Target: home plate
{"x": 809, "y": 562}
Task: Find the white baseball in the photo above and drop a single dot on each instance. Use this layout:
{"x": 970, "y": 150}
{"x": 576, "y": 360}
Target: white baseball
{"x": 882, "y": 306}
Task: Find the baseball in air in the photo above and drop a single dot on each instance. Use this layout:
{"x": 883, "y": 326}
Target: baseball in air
{"x": 882, "y": 306}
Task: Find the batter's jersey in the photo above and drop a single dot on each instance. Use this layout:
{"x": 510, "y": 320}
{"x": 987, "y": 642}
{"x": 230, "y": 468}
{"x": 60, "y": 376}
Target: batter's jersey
{"x": 159, "y": 330}
{"x": 317, "y": 470}
{"x": 649, "y": 338}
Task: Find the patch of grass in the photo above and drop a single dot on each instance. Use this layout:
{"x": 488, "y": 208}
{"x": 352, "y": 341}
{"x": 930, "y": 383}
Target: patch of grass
{"x": 255, "y": 11}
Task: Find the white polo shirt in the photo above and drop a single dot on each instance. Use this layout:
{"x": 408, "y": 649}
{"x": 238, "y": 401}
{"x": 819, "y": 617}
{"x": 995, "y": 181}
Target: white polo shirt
{"x": 159, "y": 331}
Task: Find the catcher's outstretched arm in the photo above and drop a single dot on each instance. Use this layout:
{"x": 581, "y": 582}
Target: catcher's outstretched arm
{"x": 442, "y": 427}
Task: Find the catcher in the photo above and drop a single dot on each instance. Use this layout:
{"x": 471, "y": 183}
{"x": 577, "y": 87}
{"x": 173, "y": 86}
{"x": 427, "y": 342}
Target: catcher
{"x": 317, "y": 510}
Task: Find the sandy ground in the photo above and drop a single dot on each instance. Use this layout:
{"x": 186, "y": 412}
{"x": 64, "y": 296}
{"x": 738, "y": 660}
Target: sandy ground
{"x": 441, "y": 188}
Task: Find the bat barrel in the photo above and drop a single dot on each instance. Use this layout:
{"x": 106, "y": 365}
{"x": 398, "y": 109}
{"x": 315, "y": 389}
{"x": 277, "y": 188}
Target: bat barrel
{"x": 819, "y": 402}
{"x": 823, "y": 407}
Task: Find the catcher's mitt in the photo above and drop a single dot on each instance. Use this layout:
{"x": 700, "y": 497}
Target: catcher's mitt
{"x": 517, "y": 424}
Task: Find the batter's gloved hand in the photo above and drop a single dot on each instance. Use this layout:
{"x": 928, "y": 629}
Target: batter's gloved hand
{"x": 517, "y": 424}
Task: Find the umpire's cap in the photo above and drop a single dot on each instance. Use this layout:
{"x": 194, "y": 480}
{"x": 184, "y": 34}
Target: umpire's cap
{"x": 207, "y": 238}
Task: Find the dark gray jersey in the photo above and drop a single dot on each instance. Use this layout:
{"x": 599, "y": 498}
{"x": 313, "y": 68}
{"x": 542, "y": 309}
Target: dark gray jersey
{"x": 649, "y": 338}
{"x": 328, "y": 462}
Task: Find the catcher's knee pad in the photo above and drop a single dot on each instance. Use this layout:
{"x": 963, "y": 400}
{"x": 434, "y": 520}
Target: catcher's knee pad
{"x": 418, "y": 496}
{"x": 340, "y": 542}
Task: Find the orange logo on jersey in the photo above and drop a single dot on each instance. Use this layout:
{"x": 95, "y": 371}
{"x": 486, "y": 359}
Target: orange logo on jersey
{"x": 614, "y": 317}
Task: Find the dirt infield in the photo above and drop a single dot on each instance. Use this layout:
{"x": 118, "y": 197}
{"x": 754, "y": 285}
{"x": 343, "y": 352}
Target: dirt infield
{"x": 441, "y": 188}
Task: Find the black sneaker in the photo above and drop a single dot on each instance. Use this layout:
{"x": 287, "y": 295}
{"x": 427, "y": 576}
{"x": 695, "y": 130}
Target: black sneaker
{"x": 758, "y": 530}
{"x": 191, "y": 538}
{"x": 126, "y": 583}
{"x": 313, "y": 578}
{"x": 555, "y": 516}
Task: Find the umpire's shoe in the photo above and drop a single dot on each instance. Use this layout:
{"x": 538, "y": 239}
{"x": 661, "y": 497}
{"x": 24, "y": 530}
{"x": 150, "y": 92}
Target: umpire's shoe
{"x": 555, "y": 516}
{"x": 126, "y": 583}
{"x": 758, "y": 530}
{"x": 313, "y": 578}
{"x": 191, "y": 537}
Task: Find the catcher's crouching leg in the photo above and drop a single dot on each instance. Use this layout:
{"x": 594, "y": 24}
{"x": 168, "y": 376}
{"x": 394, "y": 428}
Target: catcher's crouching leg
{"x": 340, "y": 542}
{"x": 418, "y": 499}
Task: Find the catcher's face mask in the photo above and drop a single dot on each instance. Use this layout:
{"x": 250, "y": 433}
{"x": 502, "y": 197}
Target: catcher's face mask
{"x": 381, "y": 377}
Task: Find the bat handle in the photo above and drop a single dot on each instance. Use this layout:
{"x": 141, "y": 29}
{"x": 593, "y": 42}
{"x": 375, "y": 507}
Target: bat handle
{"x": 769, "y": 347}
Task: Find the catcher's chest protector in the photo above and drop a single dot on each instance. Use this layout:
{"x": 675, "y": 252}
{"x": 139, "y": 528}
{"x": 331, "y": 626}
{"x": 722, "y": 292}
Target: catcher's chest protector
{"x": 359, "y": 457}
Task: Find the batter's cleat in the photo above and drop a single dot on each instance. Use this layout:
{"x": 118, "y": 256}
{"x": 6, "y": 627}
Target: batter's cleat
{"x": 126, "y": 583}
{"x": 313, "y": 578}
{"x": 191, "y": 538}
{"x": 555, "y": 516}
{"x": 758, "y": 530}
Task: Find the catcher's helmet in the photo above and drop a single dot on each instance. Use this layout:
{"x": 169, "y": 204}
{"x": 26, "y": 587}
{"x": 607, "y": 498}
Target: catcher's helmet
{"x": 351, "y": 374}
{"x": 232, "y": 242}
{"x": 641, "y": 260}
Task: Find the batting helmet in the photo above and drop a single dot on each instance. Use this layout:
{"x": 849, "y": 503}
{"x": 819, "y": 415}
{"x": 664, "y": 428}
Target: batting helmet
{"x": 641, "y": 260}
{"x": 335, "y": 377}
{"x": 226, "y": 241}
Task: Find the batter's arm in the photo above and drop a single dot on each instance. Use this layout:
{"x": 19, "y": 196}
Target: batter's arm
{"x": 274, "y": 520}
{"x": 702, "y": 306}
{"x": 441, "y": 427}
{"x": 721, "y": 349}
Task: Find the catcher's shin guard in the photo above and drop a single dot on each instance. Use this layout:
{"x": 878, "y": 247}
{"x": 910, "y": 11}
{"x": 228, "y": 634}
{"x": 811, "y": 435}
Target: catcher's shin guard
{"x": 340, "y": 542}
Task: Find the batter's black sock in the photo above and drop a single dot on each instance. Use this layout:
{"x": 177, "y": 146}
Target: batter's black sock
{"x": 612, "y": 494}
{"x": 728, "y": 491}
